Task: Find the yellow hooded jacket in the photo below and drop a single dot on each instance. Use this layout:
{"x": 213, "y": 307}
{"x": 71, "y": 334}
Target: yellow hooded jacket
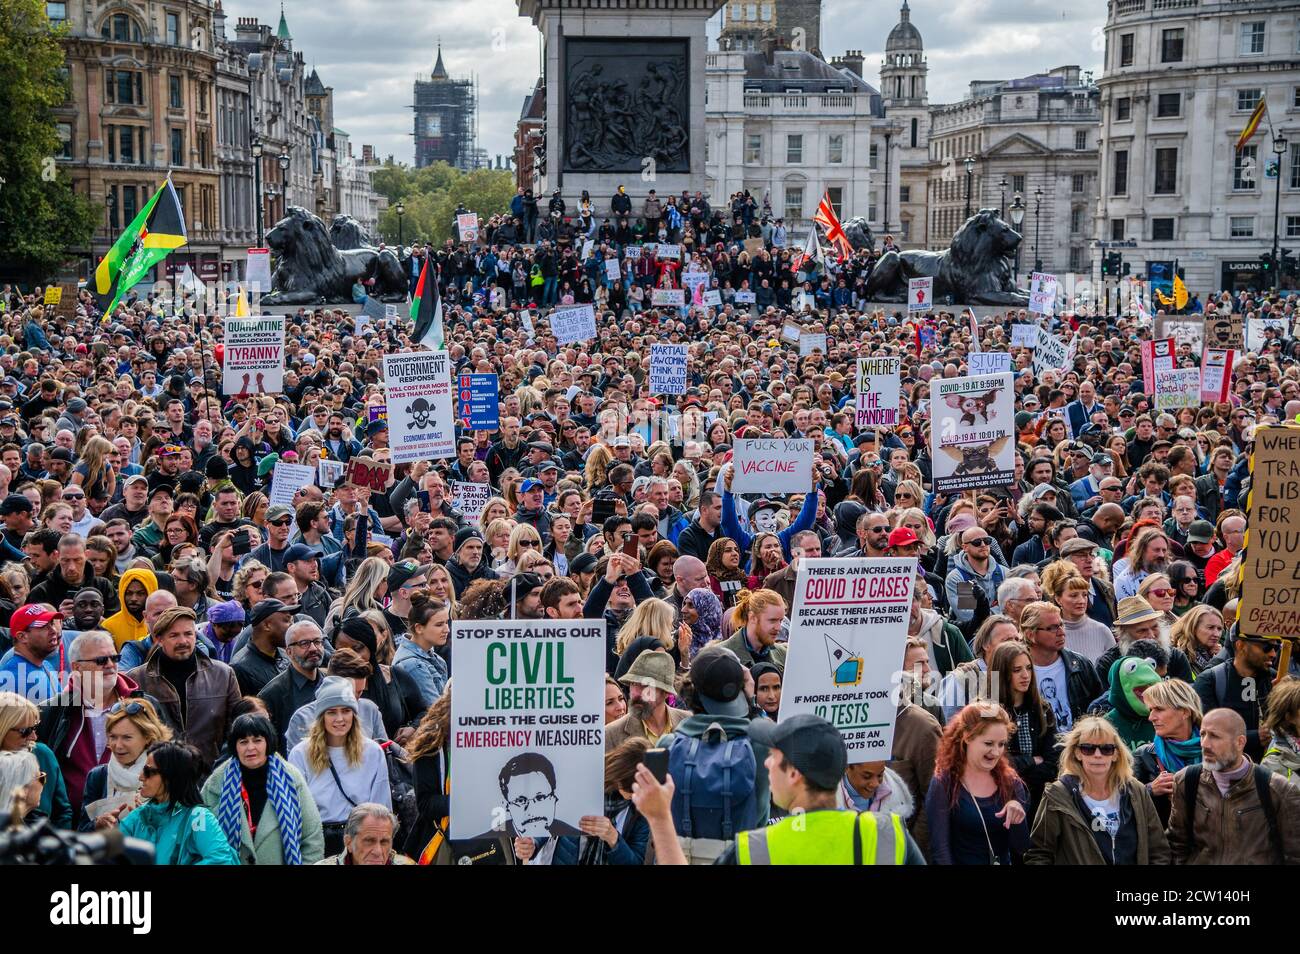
{"x": 124, "y": 627}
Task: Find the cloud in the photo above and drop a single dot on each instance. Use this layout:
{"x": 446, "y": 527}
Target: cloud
{"x": 370, "y": 51}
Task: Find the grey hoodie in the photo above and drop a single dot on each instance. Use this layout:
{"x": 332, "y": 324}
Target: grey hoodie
{"x": 962, "y": 571}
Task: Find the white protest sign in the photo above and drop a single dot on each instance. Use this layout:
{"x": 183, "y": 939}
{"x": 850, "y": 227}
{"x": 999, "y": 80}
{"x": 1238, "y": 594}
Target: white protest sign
{"x": 257, "y": 271}
{"x": 254, "y": 361}
{"x": 526, "y": 319}
{"x": 1188, "y": 330}
{"x": 744, "y": 298}
{"x": 772, "y": 465}
{"x": 573, "y": 323}
{"x": 878, "y": 392}
{"x": 1216, "y": 374}
{"x": 1255, "y": 328}
{"x": 328, "y": 472}
{"x": 1049, "y": 353}
{"x": 1024, "y": 336}
{"x": 467, "y": 225}
{"x": 810, "y": 341}
{"x": 848, "y": 633}
{"x": 287, "y": 479}
{"x": 470, "y": 499}
{"x": 668, "y": 251}
{"x": 988, "y": 362}
{"x": 791, "y": 332}
{"x": 668, "y": 368}
{"x": 920, "y": 294}
{"x": 1042, "y": 293}
{"x": 633, "y": 252}
{"x": 390, "y": 312}
{"x": 1178, "y": 388}
{"x": 421, "y": 420}
{"x": 693, "y": 283}
{"x": 973, "y": 419}
{"x": 668, "y": 297}
{"x": 361, "y": 321}
{"x": 612, "y": 271}
{"x": 712, "y": 297}
{"x": 529, "y": 708}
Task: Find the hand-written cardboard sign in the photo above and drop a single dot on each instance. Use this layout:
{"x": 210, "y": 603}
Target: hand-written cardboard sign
{"x": 810, "y": 341}
{"x": 668, "y": 368}
{"x": 470, "y": 499}
{"x": 573, "y": 323}
{"x": 878, "y": 392}
{"x": 1223, "y": 332}
{"x": 668, "y": 297}
{"x": 1184, "y": 330}
{"x": 848, "y": 633}
{"x": 1024, "y": 336}
{"x": 1178, "y": 388}
{"x": 612, "y": 271}
{"x": 53, "y": 294}
{"x": 1270, "y": 592}
{"x": 369, "y": 473}
{"x": 772, "y": 465}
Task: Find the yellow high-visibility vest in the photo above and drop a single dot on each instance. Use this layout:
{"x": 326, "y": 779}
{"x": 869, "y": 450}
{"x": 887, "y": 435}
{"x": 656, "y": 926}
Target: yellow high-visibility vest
{"x": 826, "y": 838}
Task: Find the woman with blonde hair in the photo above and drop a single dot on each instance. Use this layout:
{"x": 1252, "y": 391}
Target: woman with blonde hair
{"x": 524, "y": 538}
{"x": 111, "y": 789}
{"x": 596, "y": 471}
{"x": 652, "y": 617}
{"x": 15, "y": 584}
{"x": 19, "y": 720}
{"x": 93, "y": 474}
{"x": 343, "y": 768}
{"x": 496, "y": 541}
{"x": 1199, "y": 634}
{"x": 1158, "y": 590}
{"x": 441, "y": 586}
{"x": 1175, "y": 715}
{"x": 21, "y": 787}
{"x": 1283, "y": 720}
{"x": 495, "y": 509}
{"x": 1097, "y": 812}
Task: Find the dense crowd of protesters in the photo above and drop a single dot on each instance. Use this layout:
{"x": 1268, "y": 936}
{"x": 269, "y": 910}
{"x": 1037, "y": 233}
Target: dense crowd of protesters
{"x": 244, "y": 683}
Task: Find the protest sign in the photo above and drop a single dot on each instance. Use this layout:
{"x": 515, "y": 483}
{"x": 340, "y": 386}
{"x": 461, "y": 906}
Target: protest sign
{"x": 1157, "y": 355}
{"x": 668, "y": 368}
{"x": 973, "y": 419}
{"x": 1024, "y": 336}
{"x": 368, "y": 473}
{"x": 988, "y": 362}
{"x": 1223, "y": 332}
{"x": 390, "y": 312}
{"x": 848, "y": 632}
{"x": 1177, "y": 388}
{"x": 878, "y": 392}
{"x": 254, "y": 362}
{"x": 744, "y": 298}
{"x": 257, "y": 271}
{"x": 1270, "y": 591}
{"x": 1255, "y": 328}
{"x": 573, "y": 323}
{"x": 920, "y": 294}
{"x": 287, "y": 479}
{"x": 526, "y": 320}
{"x": 791, "y": 332}
{"x": 467, "y": 225}
{"x": 668, "y": 251}
{"x": 361, "y": 321}
{"x": 612, "y": 271}
{"x": 633, "y": 252}
{"x": 1184, "y": 331}
{"x": 1050, "y": 353}
{"x": 1216, "y": 374}
{"x": 668, "y": 297}
{"x": 772, "y": 465}
{"x": 753, "y": 246}
{"x": 376, "y": 412}
{"x": 1042, "y": 293}
{"x": 417, "y": 387}
{"x": 527, "y": 727}
{"x": 66, "y": 306}
{"x": 328, "y": 472}
{"x": 712, "y": 298}
{"x": 478, "y": 401}
{"x": 587, "y": 247}
{"x": 53, "y": 295}
{"x": 470, "y": 499}
{"x": 810, "y": 341}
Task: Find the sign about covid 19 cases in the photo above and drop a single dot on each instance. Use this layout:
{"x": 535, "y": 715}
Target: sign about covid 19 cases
{"x": 421, "y": 422}
{"x": 527, "y": 727}
{"x": 848, "y": 632}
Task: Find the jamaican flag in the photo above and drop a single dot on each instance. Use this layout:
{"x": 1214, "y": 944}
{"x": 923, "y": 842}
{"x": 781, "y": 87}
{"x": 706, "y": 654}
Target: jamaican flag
{"x": 156, "y": 231}
{"x": 426, "y": 308}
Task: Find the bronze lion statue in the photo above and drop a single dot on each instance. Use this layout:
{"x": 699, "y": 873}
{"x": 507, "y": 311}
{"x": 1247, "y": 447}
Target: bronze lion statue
{"x": 346, "y": 233}
{"x": 858, "y": 232}
{"x": 975, "y": 270}
{"x": 309, "y": 269}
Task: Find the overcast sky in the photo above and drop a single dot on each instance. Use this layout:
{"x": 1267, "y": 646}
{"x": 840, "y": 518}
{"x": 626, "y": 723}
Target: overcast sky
{"x": 370, "y": 51}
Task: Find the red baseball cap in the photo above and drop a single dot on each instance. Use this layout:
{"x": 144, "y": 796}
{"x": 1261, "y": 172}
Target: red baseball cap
{"x": 29, "y": 613}
{"x": 902, "y": 537}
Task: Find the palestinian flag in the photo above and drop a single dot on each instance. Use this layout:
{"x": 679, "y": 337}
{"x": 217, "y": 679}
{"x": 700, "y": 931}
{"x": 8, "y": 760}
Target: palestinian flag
{"x": 1252, "y": 124}
{"x": 151, "y": 236}
{"x": 426, "y": 308}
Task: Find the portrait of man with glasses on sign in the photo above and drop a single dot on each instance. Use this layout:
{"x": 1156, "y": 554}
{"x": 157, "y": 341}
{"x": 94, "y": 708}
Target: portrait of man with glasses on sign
{"x": 529, "y": 800}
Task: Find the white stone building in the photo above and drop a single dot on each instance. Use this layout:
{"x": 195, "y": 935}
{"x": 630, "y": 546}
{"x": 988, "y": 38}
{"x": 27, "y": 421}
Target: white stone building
{"x": 356, "y": 196}
{"x": 1180, "y": 80}
{"x": 907, "y": 106}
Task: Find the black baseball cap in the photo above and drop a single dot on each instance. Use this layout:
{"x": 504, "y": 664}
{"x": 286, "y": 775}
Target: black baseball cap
{"x": 15, "y": 503}
{"x": 719, "y": 680}
{"x": 809, "y": 743}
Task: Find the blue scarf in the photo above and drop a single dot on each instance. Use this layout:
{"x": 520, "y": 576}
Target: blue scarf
{"x": 1175, "y": 755}
{"x": 281, "y": 793}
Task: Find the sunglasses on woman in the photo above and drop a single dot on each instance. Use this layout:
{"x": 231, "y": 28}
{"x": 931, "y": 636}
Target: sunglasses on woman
{"x": 1092, "y": 748}
{"x": 1161, "y": 592}
{"x": 27, "y": 732}
{"x": 149, "y": 771}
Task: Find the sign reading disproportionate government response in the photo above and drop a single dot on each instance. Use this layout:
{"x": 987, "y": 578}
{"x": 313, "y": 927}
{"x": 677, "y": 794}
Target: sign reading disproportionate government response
{"x": 1270, "y": 591}
{"x": 421, "y": 421}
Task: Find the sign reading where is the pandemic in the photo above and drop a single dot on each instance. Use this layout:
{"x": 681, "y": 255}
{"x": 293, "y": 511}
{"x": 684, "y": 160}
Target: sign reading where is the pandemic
{"x": 254, "y": 358}
{"x": 974, "y": 422}
{"x": 878, "y": 391}
{"x": 421, "y": 422}
{"x": 772, "y": 465}
{"x": 848, "y": 631}
{"x": 1270, "y": 590}
{"x": 527, "y": 727}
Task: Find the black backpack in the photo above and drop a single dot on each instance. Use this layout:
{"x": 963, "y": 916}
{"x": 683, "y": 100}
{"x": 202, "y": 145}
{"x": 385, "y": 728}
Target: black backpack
{"x": 1192, "y": 781}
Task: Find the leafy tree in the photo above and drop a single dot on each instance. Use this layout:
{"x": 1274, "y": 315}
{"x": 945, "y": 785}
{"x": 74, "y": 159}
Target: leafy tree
{"x": 40, "y": 215}
{"x": 431, "y": 195}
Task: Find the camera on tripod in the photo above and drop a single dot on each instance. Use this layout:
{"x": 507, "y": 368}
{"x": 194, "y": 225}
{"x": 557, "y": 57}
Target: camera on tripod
{"x": 43, "y": 844}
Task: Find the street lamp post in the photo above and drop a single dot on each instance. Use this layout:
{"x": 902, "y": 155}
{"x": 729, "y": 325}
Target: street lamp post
{"x": 1279, "y": 148}
{"x": 1017, "y": 216}
{"x": 400, "y": 209}
{"x": 256, "y": 151}
{"x": 283, "y": 161}
{"x": 1038, "y": 218}
{"x": 1002, "y": 202}
{"x": 970, "y": 171}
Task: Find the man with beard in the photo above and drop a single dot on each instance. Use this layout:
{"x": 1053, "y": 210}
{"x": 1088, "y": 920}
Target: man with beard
{"x": 134, "y": 589}
{"x": 337, "y": 442}
{"x": 649, "y": 681}
{"x": 263, "y": 658}
{"x": 1242, "y": 683}
{"x": 523, "y": 596}
{"x": 41, "y": 548}
{"x": 1147, "y": 553}
{"x": 87, "y": 612}
{"x": 467, "y": 564}
{"x": 304, "y": 644}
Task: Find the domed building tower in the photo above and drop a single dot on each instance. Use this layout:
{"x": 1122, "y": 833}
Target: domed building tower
{"x": 907, "y": 106}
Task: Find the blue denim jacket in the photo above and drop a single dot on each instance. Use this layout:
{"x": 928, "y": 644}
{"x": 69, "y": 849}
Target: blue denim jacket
{"x": 426, "y": 668}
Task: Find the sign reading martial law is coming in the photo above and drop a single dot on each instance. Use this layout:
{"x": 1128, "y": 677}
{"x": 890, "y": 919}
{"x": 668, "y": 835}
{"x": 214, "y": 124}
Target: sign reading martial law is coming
{"x": 421, "y": 421}
{"x": 973, "y": 421}
{"x": 527, "y": 727}
{"x": 1270, "y": 590}
{"x": 668, "y": 368}
{"x": 878, "y": 386}
{"x": 848, "y": 630}
{"x": 254, "y": 359}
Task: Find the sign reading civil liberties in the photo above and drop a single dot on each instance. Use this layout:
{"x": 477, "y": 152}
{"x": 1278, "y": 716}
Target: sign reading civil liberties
{"x": 254, "y": 359}
{"x": 527, "y": 727}
{"x": 421, "y": 422}
{"x": 848, "y": 631}
{"x": 772, "y": 465}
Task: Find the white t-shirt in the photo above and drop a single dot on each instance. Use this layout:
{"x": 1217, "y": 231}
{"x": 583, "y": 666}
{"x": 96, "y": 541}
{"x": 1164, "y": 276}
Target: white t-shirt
{"x": 1054, "y": 689}
{"x": 1106, "y": 812}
